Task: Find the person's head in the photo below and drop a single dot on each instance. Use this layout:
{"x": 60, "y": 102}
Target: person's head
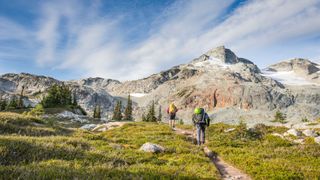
{"x": 198, "y": 110}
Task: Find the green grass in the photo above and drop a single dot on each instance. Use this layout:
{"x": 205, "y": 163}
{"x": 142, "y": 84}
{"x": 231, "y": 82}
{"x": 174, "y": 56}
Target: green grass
{"x": 267, "y": 156}
{"x": 84, "y": 155}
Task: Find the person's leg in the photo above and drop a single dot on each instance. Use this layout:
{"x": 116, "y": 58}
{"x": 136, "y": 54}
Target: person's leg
{"x": 203, "y": 132}
{"x": 198, "y": 134}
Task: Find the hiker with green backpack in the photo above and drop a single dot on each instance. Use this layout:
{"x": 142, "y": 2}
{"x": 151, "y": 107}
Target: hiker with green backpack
{"x": 200, "y": 120}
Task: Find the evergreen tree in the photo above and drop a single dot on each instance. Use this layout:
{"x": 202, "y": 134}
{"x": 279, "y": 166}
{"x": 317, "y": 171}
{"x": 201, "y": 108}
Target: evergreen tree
{"x": 94, "y": 112}
{"x": 97, "y": 112}
{"x": 117, "y": 114}
{"x": 151, "y": 116}
{"x": 143, "y": 118}
{"x": 58, "y": 96}
{"x": 279, "y": 117}
{"x": 74, "y": 99}
{"x": 159, "y": 114}
{"x": 128, "y": 110}
{"x": 20, "y": 101}
{"x": 3, "y": 104}
{"x": 12, "y": 103}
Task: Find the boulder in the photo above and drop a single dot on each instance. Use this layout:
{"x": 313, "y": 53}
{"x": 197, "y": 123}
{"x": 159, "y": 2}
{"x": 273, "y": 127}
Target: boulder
{"x": 88, "y": 126}
{"x": 153, "y": 148}
{"x": 317, "y": 139}
{"x": 294, "y": 132}
{"x": 309, "y": 133}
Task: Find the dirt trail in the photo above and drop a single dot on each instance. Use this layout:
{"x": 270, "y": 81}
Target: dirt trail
{"x": 227, "y": 171}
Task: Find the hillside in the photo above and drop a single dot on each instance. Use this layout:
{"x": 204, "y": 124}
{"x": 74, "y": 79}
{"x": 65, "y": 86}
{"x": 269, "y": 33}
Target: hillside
{"x": 227, "y": 86}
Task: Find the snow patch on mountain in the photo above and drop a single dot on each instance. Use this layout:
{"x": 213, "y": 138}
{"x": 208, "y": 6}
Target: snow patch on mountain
{"x": 138, "y": 94}
{"x": 287, "y": 77}
{"x": 212, "y": 62}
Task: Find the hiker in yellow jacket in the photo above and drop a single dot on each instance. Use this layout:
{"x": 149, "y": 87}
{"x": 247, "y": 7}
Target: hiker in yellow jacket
{"x": 172, "y": 111}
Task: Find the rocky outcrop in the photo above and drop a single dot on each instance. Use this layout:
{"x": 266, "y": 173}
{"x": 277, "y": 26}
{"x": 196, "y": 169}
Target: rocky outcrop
{"x": 88, "y": 92}
{"x": 301, "y": 68}
{"x": 298, "y": 65}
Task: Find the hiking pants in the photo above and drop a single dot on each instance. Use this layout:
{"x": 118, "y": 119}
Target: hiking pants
{"x": 201, "y": 129}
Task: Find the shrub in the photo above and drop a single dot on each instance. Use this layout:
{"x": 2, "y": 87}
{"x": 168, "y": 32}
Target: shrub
{"x": 280, "y": 117}
{"x": 304, "y": 119}
{"x": 274, "y": 141}
{"x": 37, "y": 111}
{"x": 241, "y": 129}
{"x": 309, "y": 140}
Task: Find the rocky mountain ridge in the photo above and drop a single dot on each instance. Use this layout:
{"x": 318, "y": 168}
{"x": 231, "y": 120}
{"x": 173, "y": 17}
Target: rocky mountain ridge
{"x": 227, "y": 86}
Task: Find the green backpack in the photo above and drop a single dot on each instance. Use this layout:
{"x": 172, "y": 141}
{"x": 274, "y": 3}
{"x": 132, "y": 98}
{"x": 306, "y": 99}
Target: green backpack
{"x": 199, "y": 116}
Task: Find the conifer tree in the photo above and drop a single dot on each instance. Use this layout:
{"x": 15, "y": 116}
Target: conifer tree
{"x": 94, "y": 112}
{"x": 128, "y": 110}
{"x": 97, "y": 112}
{"x": 151, "y": 116}
{"x": 12, "y": 103}
{"x": 20, "y": 101}
{"x": 3, "y": 104}
{"x": 143, "y": 118}
{"x": 117, "y": 114}
{"x": 279, "y": 117}
{"x": 159, "y": 114}
{"x": 57, "y": 96}
{"x": 74, "y": 99}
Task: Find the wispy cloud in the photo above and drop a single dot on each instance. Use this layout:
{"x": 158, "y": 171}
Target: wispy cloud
{"x": 80, "y": 36}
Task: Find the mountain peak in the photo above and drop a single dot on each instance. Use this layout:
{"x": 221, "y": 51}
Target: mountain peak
{"x": 299, "y": 65}
{"x": 224, "y": 54}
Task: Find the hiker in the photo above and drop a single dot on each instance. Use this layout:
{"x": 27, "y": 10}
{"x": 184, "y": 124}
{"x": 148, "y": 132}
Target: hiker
{"x": 201, "y": 120}
{"x": 172, "y": 111}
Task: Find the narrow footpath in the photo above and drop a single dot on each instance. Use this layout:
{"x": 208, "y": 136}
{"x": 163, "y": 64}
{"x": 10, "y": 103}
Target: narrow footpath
{"x": 227, "y": 171}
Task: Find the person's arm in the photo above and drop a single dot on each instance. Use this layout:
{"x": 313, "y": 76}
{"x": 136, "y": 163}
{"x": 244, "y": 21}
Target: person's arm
{"x": 208, "y": 119}
{"x": 194, "y": 123}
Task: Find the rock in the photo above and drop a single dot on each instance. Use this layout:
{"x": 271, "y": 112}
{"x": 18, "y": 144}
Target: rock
{"x": 317, "y": 139}
{"x": 309, "y": 133}
{"x": 108, "y": 126}
{"x": 278, "y": 135}
{"x": 88, "y": 126}
{"x": 73, "y": 117}
{"x": 298, "y": 141}
{"x": 153, "y": 148}
{"x": 229, "y": 130}
{"x": 294, "y": 132}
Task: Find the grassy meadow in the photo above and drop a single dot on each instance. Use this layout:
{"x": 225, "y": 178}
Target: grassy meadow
{"x": 264, "y": 156}
{"x": 32, "y": 148}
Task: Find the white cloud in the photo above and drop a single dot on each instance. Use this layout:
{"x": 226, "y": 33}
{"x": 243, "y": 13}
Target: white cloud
{"x": 74, "y": 35}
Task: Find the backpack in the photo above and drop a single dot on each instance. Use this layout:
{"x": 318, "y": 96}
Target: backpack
{"x": 201, "y": 118}
{"x": 172, "y": 108}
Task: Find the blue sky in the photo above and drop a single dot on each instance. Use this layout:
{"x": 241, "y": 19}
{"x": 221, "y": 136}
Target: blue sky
{"x": 132, "y": 39}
